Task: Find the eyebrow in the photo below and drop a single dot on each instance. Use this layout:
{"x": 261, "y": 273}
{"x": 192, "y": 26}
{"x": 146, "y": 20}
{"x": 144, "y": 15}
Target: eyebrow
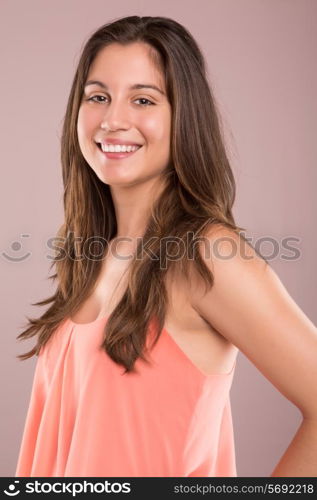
{"x": 136, "y": 86}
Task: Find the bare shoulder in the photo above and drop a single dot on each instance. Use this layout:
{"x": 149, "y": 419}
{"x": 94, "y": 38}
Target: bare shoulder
{"x": 228, "y": 245}
{"x": 249, "y": 306}
{"x": 222, "y": 251}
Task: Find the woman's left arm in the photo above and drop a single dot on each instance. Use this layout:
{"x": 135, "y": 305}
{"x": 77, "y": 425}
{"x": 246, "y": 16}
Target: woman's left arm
{"x": 249, "y": 306}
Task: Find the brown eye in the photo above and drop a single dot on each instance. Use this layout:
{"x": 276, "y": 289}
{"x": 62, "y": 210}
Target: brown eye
{"x": 94, "y": 97}
{"x": 144, "y": 99}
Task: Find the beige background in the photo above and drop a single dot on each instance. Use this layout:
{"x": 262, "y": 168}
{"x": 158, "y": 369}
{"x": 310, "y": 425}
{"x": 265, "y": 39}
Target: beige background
{"x": 261, "y": 56}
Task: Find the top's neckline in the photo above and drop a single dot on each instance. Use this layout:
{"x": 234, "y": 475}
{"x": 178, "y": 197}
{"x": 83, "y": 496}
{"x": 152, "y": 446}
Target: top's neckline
{"x": 174, "y": 344}
{"x": 90, "y": 322}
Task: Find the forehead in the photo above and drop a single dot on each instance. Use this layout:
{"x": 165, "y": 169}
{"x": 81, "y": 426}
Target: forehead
{"x": 117, "y": 62}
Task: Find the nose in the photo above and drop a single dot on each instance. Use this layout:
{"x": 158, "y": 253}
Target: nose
{"x": 116, "y": 117}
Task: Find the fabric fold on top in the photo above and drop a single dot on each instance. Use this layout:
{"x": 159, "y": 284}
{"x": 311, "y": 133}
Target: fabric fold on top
{"x": 86, "y": 419}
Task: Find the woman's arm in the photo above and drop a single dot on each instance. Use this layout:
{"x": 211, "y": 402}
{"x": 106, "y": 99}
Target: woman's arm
{"x": 300, "y": 458}
{"x": 250, "y": 307}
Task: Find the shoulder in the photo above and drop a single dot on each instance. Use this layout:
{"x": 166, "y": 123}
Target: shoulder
{"x": 227, "y": 253}
{"x": 229, "y": 242}
{"x": 249, "y": 306}
{"x": 242, "y": 281}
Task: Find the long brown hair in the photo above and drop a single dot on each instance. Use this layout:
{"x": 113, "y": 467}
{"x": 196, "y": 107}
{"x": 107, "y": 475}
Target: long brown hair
{"x": 199, "y": 192}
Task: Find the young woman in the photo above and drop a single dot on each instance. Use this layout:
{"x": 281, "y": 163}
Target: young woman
{"x": 157, "y": 290}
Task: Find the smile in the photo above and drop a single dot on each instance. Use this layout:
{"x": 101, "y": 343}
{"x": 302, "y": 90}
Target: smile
{"x": 119, "y": 148}
{"x": 117, "y": 151}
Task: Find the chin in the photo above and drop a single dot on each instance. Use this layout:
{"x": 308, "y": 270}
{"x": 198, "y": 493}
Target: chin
{"x": 116, "y": 180}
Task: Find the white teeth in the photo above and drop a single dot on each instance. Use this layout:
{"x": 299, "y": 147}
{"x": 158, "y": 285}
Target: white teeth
{"x": 116, "y": 148}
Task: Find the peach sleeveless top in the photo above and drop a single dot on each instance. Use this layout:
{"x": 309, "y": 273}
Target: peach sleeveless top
{"x": 85, "y": 418}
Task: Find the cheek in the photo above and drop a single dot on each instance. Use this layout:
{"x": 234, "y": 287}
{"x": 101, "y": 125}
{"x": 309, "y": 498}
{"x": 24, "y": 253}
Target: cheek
{"x": 85, "y": 124}
{"x": 157, "y": 129}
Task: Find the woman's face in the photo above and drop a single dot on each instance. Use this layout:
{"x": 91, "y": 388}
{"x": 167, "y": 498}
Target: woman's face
{"x": 113, "y": 109}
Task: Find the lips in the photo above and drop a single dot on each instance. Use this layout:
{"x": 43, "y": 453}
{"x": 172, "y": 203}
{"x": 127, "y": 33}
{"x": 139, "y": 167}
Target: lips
{"x": 126, "y": 143}
{"x": 117, "y": 142}
{"x": 116, "y": 156}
